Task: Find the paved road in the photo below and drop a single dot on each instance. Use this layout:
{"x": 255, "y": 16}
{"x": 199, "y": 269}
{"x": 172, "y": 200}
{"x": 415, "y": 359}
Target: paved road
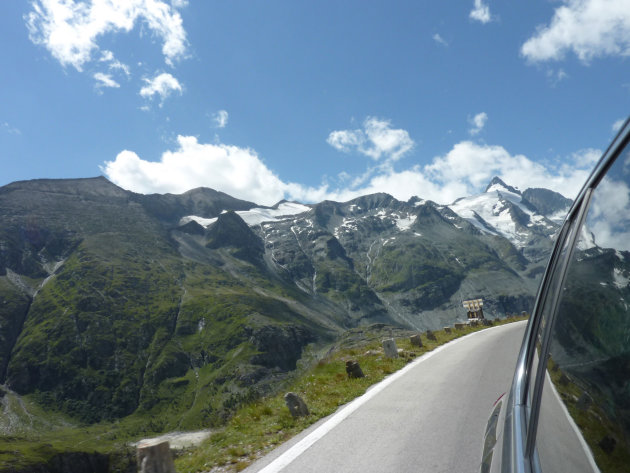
{"x": 430, "y": 418}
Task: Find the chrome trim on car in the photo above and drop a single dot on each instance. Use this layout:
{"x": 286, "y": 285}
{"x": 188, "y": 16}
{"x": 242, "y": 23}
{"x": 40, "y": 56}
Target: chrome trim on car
{"x": 574, "y": 226}
{"x": 516, "y": 453}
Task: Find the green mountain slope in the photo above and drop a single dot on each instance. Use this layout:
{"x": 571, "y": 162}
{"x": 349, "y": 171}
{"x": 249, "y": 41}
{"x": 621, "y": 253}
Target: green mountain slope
{"x": 159, "y": 312}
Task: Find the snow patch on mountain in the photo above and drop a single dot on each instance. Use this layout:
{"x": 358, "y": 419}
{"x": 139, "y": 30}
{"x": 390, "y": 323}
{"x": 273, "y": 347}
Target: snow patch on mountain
{"x": 619, "y": 279}
{"x": 257, "y": 215}
{"x": 404, "y": 223}
{"x": 586, "y": 240}
{"x": 498, "y": 211}
{"x": 204, "y": 222}
{"x": 492, "y": 210}
{"x": 559, "y": 216}
{"x": 348, "y": 225}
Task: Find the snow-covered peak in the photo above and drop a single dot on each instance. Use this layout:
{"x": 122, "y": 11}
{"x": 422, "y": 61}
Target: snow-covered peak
{"x": 501, "y": 211}
{"x": 484, "y": 210}
{"x": 497, "y": 185}
{"x": 257, "y": 215}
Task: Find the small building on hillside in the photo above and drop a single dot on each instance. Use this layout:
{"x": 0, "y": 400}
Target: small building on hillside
{"x": 474, "y": 308}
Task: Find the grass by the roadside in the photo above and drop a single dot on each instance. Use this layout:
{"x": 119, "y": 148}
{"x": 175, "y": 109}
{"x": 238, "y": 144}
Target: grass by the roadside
{"x": 257, "y": 428}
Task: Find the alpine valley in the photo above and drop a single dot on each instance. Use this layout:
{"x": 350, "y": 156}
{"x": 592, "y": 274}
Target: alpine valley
{"x": 174, "y": 309}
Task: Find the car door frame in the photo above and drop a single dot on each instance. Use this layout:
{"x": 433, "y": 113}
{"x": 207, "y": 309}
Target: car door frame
{"x": 519, "y": 436}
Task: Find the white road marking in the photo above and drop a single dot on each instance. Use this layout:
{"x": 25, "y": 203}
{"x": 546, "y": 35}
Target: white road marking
{"x": 296, "y": 450}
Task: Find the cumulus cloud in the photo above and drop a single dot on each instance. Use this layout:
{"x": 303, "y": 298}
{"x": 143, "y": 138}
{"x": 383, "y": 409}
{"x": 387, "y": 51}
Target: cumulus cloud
{"x": 163, "y": 85}
{"x": 376, "y": 139}
{"x": 236, "y": 171}
{"x": 477, "y": 123}
{"x": 473, "y": 165}
{"x": 481, "y": 12}
{"x": 588, "y": 28}
{"x": 464, "y": 170}
{"x": 221, "y": 118}
{"x": 105, "y": 80}
{"x": 70, "y": 29}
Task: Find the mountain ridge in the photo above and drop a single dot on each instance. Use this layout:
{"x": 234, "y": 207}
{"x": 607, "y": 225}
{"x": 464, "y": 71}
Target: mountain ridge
{"x": 185, "y": 296}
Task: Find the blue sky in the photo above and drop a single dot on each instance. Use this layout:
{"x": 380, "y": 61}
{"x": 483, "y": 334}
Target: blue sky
{"x": 312, "y": 100}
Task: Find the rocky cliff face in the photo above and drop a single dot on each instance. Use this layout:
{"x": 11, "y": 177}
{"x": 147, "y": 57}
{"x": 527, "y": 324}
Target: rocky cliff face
{"x": 114, "y": 303}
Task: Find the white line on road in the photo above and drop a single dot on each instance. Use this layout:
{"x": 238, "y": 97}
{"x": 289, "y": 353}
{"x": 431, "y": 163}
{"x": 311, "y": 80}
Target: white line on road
{"x": 296, "y": 450}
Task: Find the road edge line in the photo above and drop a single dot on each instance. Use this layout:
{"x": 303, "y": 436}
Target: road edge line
{"x": 336, "y": 418}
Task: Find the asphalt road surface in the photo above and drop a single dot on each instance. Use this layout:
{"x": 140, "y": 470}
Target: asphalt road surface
{"x": 428, "y": 417}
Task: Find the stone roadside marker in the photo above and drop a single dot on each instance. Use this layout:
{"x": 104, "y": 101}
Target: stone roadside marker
{"x": 390, "y": 348}
{"x": 416, "y": 340}
{"x": 155, "y": 457}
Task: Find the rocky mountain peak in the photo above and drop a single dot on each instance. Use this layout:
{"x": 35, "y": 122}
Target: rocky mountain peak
{"x": 231, "y": 231}
{"x": 496, "y": 184}
{"x": 547, "y": 202}
{"x": 372, "y": 201}
{"x": 177, "y": 282}
{"x": 84, "y": 187}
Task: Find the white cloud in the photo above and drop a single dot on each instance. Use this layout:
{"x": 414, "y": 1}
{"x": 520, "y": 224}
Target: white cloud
{"x": 618, "y": 124}
{"x": 236, "y": 171}
{"x": 556, "y": 76}
{"x": 588, "y": 28}
{"x": 70, "y": 29}
{"x": 473, "y": 165}
{"x": 163, "y": 85}
{"x": 478, "y": 122}
{"x": 346, "y": 140}
{"x": 607, "y": 217}
{"x": 481, "y": 12}
{"x": 105, "y": 80}
{"x": 113, "y": 63}
{"x": 221, "y": 118}
{"x": 10, "y": 129}
{"x": 106, "y": 56}
{"x": 438, "y": 39}
{"x": 377, "y": 139}
{"x": 466, "y": 169}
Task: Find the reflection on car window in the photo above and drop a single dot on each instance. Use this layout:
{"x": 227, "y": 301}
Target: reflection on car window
{"x": 548, "y": 307}
{"x": 585, "y": 406}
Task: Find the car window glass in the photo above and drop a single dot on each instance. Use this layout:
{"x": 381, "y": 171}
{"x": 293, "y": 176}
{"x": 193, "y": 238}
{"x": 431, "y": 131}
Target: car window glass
{"x": 547, "y": 308}
{"x": 584, "y": 416}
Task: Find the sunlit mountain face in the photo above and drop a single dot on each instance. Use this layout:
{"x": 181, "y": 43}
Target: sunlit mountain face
{"x": 115, "y": 302}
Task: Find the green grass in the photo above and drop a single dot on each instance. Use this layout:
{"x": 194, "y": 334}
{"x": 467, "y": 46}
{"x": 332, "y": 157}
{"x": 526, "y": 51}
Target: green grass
{"x": 260, "y": 426}
{"x": 253, "y": 430}
{"x": 594, "y": 422}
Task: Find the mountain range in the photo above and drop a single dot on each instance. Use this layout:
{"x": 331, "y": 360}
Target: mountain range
{"x": 114, "y": 303}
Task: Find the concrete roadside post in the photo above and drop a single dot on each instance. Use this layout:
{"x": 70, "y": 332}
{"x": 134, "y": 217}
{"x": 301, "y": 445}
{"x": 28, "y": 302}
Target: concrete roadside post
{"x": 390, "y": 348}
{"x": 155, "y": 457}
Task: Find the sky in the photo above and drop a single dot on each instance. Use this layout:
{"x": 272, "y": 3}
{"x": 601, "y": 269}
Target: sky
{"x": 307, "y": 101}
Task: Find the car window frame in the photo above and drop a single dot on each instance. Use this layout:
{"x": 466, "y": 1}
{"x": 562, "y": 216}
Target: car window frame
{"x": 527, "y": 415}
{"x": 560, "y": 270}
